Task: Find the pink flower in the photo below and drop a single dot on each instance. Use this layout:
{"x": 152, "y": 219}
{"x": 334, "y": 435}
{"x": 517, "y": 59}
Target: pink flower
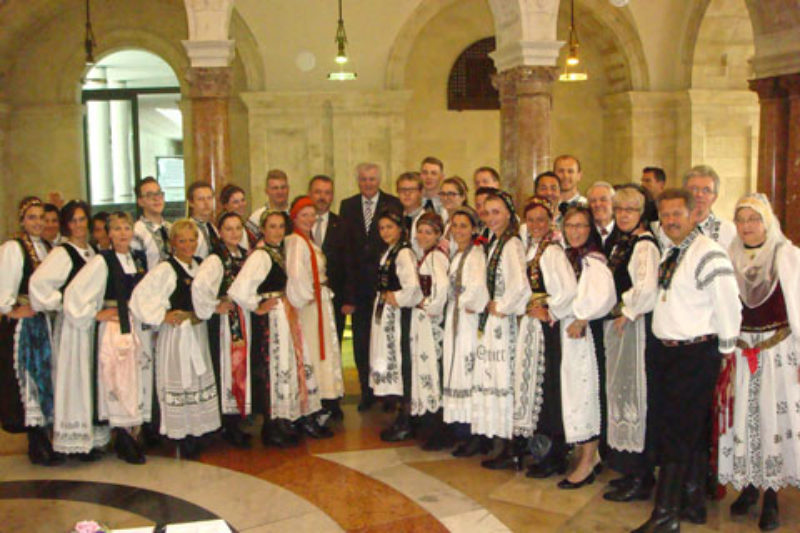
{"x": 88, "y": 526}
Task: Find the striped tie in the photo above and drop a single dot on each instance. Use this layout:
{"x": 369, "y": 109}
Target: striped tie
{"x": 367, "y": 214}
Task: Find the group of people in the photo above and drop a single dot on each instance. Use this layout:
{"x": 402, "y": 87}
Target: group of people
{"x": 631, "y": 328}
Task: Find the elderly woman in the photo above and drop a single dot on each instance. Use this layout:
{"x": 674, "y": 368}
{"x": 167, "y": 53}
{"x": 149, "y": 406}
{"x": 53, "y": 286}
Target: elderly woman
{"x": 756, "y": 453}
{"x": 509, "y": 291}
{"x": 185, "y": 385}
{"x": 26, "y": 386}
{"x": 537, "y": 374}
{"x": 108, "y": 351}
{"x": 633, "y": 261}
{"x": 228, "y": 326}
{"x": 580, "y": 387}
{"x": 308, "y": 292}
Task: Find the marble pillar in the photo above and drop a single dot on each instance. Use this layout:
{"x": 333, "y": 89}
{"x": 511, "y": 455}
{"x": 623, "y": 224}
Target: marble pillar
{"x": 772, "y": 142}
{"x": 791, "y": 84}
{"x": 209, "y": 90}
{"x": 526, "y": 101}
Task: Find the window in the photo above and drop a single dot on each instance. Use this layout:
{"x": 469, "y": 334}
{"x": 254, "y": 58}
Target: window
{"x": 470, "y": 84}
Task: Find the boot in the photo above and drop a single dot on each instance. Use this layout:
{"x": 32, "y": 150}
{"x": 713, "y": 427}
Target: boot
{"x": 747, "y": 498}
{"x": 189, "y": 447}
{"x": 693, "y": 497}
{"x": 475, "y": 445}
{"x": 334, "y": 409}
{"x": 310, "y": 426}
{"x": 639, "y": 487}
{"x": 769, "y": 511}
{"x": 279, "y": 432}
{"x": 510, "y": 457}
{"x": 665, "y": 516}
{"x": 232, "y": 433}
{"x": 401, "y": 429}
{"x": 127, "y": 448}
{"x": 40, "y": 451}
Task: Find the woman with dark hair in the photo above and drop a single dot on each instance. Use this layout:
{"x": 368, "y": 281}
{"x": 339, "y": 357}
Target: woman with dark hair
{"x": 284, "y": 388}
{"x": 390, "y": 340}
{"x": 26, "y": 386}
{"x": 630, "y": 411}
{"x": 580, "y": 375}
{"x": 467, "y": 298}
{"x": 537, "y": 371}
{"x": 755, "y": 451}
{"x": 312, "y": 300}
{"x": 185, "y": 385}
{"x": 228, "y": 326}
{"x": 509, "y": 291}
{"x": 453, "y": 194}
{"x": 233, "y": 200}
{"x": 47, "y": 288}
{"x": 106, "y": 377}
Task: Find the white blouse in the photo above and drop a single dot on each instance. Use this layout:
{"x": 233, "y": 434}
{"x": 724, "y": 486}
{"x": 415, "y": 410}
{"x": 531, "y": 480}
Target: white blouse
{"x": 643, "y": 270}
{"x": 559, "y": 280}
{"x": 83, "y": 297}
{"x": 205, "y": 287}
{"x": 410, "y": 293}
{"x": 11, "y": 265}
{"x": 299, "y": 271}
{"x": 475, "y": 296}
{"x": 150, "y": 299}
{"x": 436, "y": 266}
{"x": 517, "y": 288}
{"x": 46, "y": 281}
{"x": 596, "y": 294}
{"x": 244, "y": 289}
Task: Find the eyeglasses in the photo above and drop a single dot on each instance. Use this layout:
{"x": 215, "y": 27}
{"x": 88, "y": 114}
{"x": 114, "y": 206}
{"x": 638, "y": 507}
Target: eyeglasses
{"x": 451, "y": 194}
{"x": 153, "y": 195}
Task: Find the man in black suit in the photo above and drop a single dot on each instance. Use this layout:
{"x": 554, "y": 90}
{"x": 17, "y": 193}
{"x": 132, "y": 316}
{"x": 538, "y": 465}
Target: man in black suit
{"x": 360, "y": 216}
{"x": 328, "y": 232}
{"x": 600, "y": 196}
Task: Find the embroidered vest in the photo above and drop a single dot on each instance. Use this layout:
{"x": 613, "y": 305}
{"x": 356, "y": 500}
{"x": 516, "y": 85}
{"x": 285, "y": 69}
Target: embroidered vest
{"x": 231, "y": 266}
{"x": 121, "y": 284}
{"x": 78, "y": 261}
{"x": 768, "y": 316}
{"x": 181, "y": 297}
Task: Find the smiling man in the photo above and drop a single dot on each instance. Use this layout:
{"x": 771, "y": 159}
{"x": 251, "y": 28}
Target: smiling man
{"x": 703, "y": 182}
{"x": 150, "y": 232}
{"x": 277, "y": 190}
{"x": 568, "y": 170}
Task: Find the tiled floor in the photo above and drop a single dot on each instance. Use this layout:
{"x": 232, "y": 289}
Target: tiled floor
{"x": 352, "y": 482}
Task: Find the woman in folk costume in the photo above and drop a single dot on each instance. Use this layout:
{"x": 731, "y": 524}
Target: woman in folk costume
{"x": 284, "y": 388}
{"x": 426, "y": 329}
{"x": 47, "y": 286}
{"x": 26, "y": 386}
{"x": 580, "y": 377}
{"x": 312, "y": 301}
{"x": 233, "y": 200}
{"x": 509, "y": 291}
{"x": 629, "y": 341}
{"x": 117, "y": 363}
{"x": 537, "y": 372}
{"x": 755, "y": 450}
{"x": 228, "y": 326}
{"x": 390, "y": 339}
{"x": 185, "y": 386}
{"x": 467, "y": 298}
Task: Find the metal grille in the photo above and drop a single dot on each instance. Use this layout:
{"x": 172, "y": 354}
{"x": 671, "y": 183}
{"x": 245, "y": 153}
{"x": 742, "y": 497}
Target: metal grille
{"x": 470, "y": 82}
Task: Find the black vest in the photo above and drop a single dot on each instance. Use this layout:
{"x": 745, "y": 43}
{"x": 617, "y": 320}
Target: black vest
{"x": 78, "y": 261}
{"x": 118, "y": 280}
{"x": 181, "y": 297}
{"x": 275, "y": 280}
{"x": 229, "y": 274}
{"x": 622, "y": 278}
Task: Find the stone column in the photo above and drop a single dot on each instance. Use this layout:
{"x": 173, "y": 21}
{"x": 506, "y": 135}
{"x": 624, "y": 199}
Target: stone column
{"x": 209, "y": 90}
{"x": 791, "y": 84}
{"x": 772, "y": 142}
{"x": 526, "y": 101}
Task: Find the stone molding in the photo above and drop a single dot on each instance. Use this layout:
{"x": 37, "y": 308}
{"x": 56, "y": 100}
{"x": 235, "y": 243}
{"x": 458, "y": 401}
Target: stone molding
{"x": 526, "y": 53}
{"x": 209, "y": 82}
{"x": 209, "y": 53}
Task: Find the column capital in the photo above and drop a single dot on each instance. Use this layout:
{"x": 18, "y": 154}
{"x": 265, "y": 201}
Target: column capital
{"x": 526, "y": 53}
{"x": 525, "y": 81}
{"x": 209, "y": 53}
{"x": 766, "y": 88}
{"x": 209, "y": 82}
{"x": 208, "y": 20}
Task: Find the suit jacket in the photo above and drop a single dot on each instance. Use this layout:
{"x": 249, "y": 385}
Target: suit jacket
{"x": 612, "y": 239}
{"x": 335, "y": 248}
{"x": 365, "y": 248}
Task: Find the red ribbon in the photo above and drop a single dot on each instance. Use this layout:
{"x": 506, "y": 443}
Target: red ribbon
{"x": 239, "y": 367}
{"x": 317, "y": 294}
{"x": 752, "y": 358}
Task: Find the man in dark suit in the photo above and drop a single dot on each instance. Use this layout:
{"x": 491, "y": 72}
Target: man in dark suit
{"x": 328, "y": 232}
{"x": 360, "y": 216}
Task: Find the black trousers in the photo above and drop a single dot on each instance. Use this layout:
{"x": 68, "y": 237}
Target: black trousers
{"x": 362, "y": 326}
{"x": 600, "y": 355}
{"x": 687, "y": 376}
{"x": 405, "y": 351}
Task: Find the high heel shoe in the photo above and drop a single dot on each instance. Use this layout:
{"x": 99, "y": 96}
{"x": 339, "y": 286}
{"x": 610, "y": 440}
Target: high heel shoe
{"x": 569, "y": 485}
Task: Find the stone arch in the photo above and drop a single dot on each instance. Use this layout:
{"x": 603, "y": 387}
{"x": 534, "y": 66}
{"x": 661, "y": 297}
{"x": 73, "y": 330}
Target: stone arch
{"x": 247, "y": 52}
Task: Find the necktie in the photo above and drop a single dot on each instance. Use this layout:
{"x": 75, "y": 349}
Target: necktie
{"x": 164, "y": 248}
{"x": 318, "y": 231}
{"x": 667, "y": 268}
{"x": 367, "y": 215}
{"x": 429, "y": 205}
{"x": 407, "y": 221}
{"x": 603, "y": 232}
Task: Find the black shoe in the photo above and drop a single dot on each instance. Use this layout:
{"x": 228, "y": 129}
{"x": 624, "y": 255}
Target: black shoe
{"x": 569, "y": 485}
{"x": 127, "y": 448}
{"x": 747, "y": 498}
{"x": 366, "y": 403}
{"x": 399, "y": 431}
{"x": 234, "y": 435}
{"x": 389, "y": 405}
{"x": 150, "y": 435}
{"x": 189, "y": 447}
{"x": 40, "y": 451}
{"x": 693, "y": 496}
{"x": 637, "y": 488}
{"x": 439, "y": 440}
{"x": 279, "y": 433}
{"x": 309, "y": 426}
{"x": 621, "y": 481}
{"x": 769, "y": 511}
{"x": 95, "y": 454}
{"x": 548, "y": 467}
{"x": 507, "y": 459}
{"x": 334, "y": 409}
{"x": 475, "y": 445}
{"x": 665, "y": 516}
